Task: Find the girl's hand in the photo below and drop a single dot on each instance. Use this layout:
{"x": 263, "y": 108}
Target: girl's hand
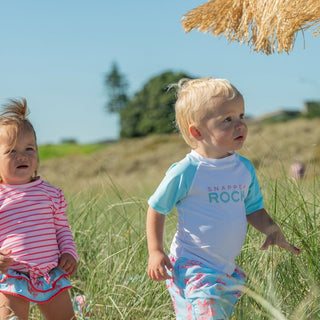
{"x": 158, "y": 263}
{"x": 5, "y": 260}
{"x": 68, "y": 263}
{"x": 277, "y": 238}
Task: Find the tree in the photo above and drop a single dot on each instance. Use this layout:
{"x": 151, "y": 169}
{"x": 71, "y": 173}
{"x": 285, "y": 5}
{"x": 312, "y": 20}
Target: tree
{"x": 151, "y": 110}
{"x": 117, "y": 87}
{"x": 312, "y": 109}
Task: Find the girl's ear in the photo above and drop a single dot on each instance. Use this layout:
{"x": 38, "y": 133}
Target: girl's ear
{"x": 195, "y": 133}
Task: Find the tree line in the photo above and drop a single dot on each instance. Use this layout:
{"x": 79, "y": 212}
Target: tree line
{"x": 149, "y": 110}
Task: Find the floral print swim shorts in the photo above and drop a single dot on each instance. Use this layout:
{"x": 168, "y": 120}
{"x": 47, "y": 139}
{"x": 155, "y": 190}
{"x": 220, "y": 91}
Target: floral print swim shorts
{"x": 201, "y": 293}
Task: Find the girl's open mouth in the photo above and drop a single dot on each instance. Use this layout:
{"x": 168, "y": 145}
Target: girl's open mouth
{"x": 23, "y": 166}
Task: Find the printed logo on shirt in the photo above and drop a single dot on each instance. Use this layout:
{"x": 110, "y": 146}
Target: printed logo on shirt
{"x": 225, "y": 194}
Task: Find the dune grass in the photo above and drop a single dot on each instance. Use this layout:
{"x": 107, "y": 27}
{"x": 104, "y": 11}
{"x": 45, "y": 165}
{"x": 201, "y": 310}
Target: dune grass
{"x": 109, "y": 229}
{"x": 107, "y": 201}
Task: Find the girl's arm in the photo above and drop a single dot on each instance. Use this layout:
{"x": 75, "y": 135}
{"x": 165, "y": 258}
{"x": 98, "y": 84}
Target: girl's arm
{"x": 158, "y": 260}
{"x": 64, "y": 235}
{"x": 68, "y": 260}
{"x": 263, "y": 222}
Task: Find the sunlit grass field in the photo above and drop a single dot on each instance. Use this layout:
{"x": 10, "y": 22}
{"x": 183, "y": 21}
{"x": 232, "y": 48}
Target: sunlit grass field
{"x": 107, "y": 194}
{"x": 67, "y": 149}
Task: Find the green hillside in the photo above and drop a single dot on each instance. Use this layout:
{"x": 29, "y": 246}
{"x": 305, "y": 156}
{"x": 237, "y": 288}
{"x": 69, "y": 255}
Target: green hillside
{"x": 107, "y": 192}
{"x": 134, "y": 162}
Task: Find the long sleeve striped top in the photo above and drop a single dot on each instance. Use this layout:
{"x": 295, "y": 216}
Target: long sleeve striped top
{"x": 33, "y": 225}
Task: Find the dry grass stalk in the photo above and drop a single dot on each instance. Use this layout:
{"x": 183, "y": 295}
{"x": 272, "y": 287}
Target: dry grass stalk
{"x": 264, "y": 25}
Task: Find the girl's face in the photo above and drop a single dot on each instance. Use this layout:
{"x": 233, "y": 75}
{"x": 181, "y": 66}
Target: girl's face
{"x": 18, "y": 162}
{"x": 224, "y": 130}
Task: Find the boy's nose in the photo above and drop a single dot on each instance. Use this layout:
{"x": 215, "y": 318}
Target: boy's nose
{"x": 240, "y": 124}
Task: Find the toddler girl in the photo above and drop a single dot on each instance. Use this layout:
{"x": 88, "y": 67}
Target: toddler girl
{"x": 37, "y": 250}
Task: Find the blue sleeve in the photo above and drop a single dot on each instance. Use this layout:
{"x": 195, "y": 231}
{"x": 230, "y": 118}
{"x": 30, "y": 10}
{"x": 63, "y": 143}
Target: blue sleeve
{"x": 174, "y": 186}
{"x": 254, "y": 199}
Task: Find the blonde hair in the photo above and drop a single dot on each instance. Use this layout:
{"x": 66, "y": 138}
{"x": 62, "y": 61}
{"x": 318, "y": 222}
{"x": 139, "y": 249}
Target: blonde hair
{"x": 14, "y": 115}
{"x": 192, "y": 103}
{"x": 14, "y": 120}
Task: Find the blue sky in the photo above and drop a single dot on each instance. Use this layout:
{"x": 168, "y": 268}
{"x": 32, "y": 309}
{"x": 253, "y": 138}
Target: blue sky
{"x": 56, "y": 54}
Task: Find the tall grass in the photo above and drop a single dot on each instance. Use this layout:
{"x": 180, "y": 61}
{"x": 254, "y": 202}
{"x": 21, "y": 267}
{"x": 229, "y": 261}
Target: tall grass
{"x": 108, "y": 223}
{"x": 287, "y": 284}
{"x": 109, "y": 229}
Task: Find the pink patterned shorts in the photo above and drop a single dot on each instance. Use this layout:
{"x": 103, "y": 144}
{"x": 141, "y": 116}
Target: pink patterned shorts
{"x": 201, "y": 293}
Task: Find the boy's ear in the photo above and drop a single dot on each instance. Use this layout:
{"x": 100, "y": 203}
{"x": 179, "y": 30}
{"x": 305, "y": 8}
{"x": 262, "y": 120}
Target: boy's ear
{"x": 195, "y": 133}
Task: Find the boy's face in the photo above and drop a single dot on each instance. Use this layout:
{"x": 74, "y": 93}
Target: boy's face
{"x": 223, "y": 130}
{"x": 19, "y": 162}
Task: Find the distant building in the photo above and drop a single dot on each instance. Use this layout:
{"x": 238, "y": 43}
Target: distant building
{"x": 310, "y": 109}
{"x": 280, "y": 115}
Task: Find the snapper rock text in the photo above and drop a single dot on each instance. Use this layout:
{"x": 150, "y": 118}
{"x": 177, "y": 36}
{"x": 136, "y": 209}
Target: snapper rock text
{"x": 225, "y": 194}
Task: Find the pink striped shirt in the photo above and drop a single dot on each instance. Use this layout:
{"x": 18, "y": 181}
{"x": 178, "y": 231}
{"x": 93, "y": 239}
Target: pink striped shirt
{"x": 33, "y": 225}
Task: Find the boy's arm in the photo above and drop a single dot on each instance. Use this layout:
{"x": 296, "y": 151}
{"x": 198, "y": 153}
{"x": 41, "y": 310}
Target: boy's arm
{"x": 158, "y": 260}
{"x": 263, "y": 222}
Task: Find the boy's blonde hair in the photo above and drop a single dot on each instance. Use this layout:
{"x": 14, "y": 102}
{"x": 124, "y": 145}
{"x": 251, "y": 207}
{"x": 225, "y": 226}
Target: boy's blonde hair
{"x": 192, "y": 104}
{"x": 14, "y": 118}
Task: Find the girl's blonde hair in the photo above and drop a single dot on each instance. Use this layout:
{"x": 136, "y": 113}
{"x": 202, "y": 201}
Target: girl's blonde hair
{"x": 14, "y": 117}
{"x": 14, "y": 120}
{"x": 192, "y": 104}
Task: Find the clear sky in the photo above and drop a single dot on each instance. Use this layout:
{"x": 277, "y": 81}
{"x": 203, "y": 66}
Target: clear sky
{"x": 56, "y": 54}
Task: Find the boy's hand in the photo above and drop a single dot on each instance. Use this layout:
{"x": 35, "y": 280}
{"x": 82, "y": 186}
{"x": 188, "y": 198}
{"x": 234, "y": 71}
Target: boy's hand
{"x": 68, "y": 263}
{"x": 277, "y": 238}
{"x": 262, "y": 222}
{"x": 158, "y": 262}
{"x": 5, "y": 261}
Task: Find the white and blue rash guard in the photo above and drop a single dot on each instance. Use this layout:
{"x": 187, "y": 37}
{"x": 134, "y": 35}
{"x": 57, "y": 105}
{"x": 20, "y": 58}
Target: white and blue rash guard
{"x": 212, "y": 197}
